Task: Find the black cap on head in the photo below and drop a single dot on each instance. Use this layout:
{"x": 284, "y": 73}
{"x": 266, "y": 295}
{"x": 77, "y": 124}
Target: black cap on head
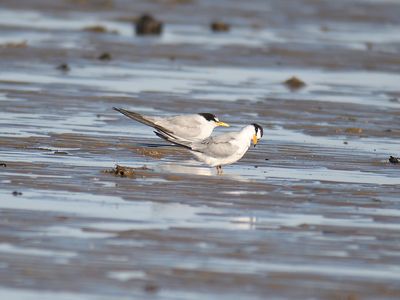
{"x": 258, "y": 128}
{"x": 209, "y": 117}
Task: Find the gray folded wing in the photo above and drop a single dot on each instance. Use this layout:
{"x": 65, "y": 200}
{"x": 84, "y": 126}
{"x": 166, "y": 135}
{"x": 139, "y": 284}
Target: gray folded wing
{"x": 185, "y": 126}
{"x": 217, "y": 146}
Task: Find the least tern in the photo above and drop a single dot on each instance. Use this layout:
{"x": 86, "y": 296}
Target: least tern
{"x": 186, "y": 128}
{"x": 223, "y": 149}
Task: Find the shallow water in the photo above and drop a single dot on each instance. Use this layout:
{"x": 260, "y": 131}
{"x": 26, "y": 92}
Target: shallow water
{"x": 311, "y": 212}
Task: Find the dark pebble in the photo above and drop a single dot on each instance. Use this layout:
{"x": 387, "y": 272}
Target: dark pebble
{"x": 148, "y": 25}
{"x": 394, "y": 160}
{"x": 220, "y": 27}
{"x": 105, "y": 56}
{"x": 294, "y": 83}
{"x": 63, "y": 67}
{"x": 151, "y": 288}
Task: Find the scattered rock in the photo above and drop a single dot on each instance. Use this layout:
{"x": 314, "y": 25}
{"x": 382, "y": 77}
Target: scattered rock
{"x": 394, "y": 160}
{"x": 104, "y": 56}
{"x": 267, "y": 159}
{"x": 127, "y": 171}
{"x": 151, "y": 288}
{"x": 148, "y": 25}
{"x": 63, "y": 67}
{"x": 16, "y": 193}
{"x": 96, "y": 29}
{"x": 294, "y": 83}
{"x": 345, "y": 142}
{"x": 3, "y": 165}
{"x": 219, "y": 27}
{"x": 354, "y": 130}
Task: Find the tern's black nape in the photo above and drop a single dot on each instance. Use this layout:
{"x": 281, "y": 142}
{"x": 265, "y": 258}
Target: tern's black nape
{"x": 209, "y": 117}
{"x": 258, "y": 128}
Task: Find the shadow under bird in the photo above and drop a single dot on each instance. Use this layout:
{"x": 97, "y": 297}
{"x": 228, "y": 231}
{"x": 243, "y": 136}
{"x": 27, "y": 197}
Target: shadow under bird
{"x": 184, "y": 128}
{"x": 223, "y": 149}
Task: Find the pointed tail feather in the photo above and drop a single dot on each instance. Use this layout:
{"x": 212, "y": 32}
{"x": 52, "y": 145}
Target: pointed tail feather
{"x": 138, "y": 117}
{"x": 135, "y": 116}
{"x": 173, "y": 140}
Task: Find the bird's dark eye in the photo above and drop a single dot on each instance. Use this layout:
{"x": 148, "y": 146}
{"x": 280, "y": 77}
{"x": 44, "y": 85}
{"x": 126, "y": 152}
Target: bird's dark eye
{"x": 258, "y": 128}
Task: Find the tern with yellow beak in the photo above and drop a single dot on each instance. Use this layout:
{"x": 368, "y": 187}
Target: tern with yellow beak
{"x": 182, "y": 128}
{"x": 223, "y": 149}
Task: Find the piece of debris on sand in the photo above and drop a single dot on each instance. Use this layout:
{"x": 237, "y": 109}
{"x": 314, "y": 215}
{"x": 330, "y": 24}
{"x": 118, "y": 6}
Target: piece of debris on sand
{"x": 122, "y": 171}
{"x": 104, "y": 56}
{"x": 2, "y": 164}
{"x": 354, "y": 130}
{"x": 394, "y": 160}
{"x": 96, "y": 29}
{"x": 63, "y": 67}
{"x": 220, "y": 26}
{"x": 151, "y": 288}
{"x": 148, "y": 25}
{"x": 16, "y": 193}
{"x": 150, "y": 152}
{"x": 294, "y": 83}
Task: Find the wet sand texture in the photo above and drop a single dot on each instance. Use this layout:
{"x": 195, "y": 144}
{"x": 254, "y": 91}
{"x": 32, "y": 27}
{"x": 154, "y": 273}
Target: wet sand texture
{"x": 95, "y": 206}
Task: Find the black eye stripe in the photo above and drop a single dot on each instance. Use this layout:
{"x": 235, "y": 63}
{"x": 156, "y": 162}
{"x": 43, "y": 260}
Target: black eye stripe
{"x": 258, "y": 128}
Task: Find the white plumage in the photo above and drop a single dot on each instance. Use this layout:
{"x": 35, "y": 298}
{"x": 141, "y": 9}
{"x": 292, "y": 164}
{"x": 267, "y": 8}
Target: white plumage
{"x": 223, "y": 149}
{"x": 184, "y": 128}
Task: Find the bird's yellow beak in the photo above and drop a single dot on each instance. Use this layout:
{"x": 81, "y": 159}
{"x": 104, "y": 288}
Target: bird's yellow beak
{"x": 255, "y": 140}
{"x": 222, "y": 124}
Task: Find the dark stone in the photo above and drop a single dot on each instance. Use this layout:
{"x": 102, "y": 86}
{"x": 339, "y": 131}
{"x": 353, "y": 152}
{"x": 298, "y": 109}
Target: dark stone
{"x": 294, "y": 83}
{"x": 147, "y": 25}
{"x": 220, "y": 27}
{"x": 63, "y": 67}
{"x": 105, "y": 56}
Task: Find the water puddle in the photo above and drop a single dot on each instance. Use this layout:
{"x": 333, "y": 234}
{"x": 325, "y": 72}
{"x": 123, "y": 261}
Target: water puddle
{"x": 119, "y": 215}
{"x": 223, "y": 83}
{"x": 34, "y": 294}
{"x": 382, "y": 146}
{"x": 324, "y": 174}
{"x": 126, "y": 275}
{"x": 8, "y": 248}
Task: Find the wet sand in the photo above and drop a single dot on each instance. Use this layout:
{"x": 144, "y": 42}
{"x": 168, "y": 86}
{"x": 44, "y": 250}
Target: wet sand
{"x": 311, "y": 212}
